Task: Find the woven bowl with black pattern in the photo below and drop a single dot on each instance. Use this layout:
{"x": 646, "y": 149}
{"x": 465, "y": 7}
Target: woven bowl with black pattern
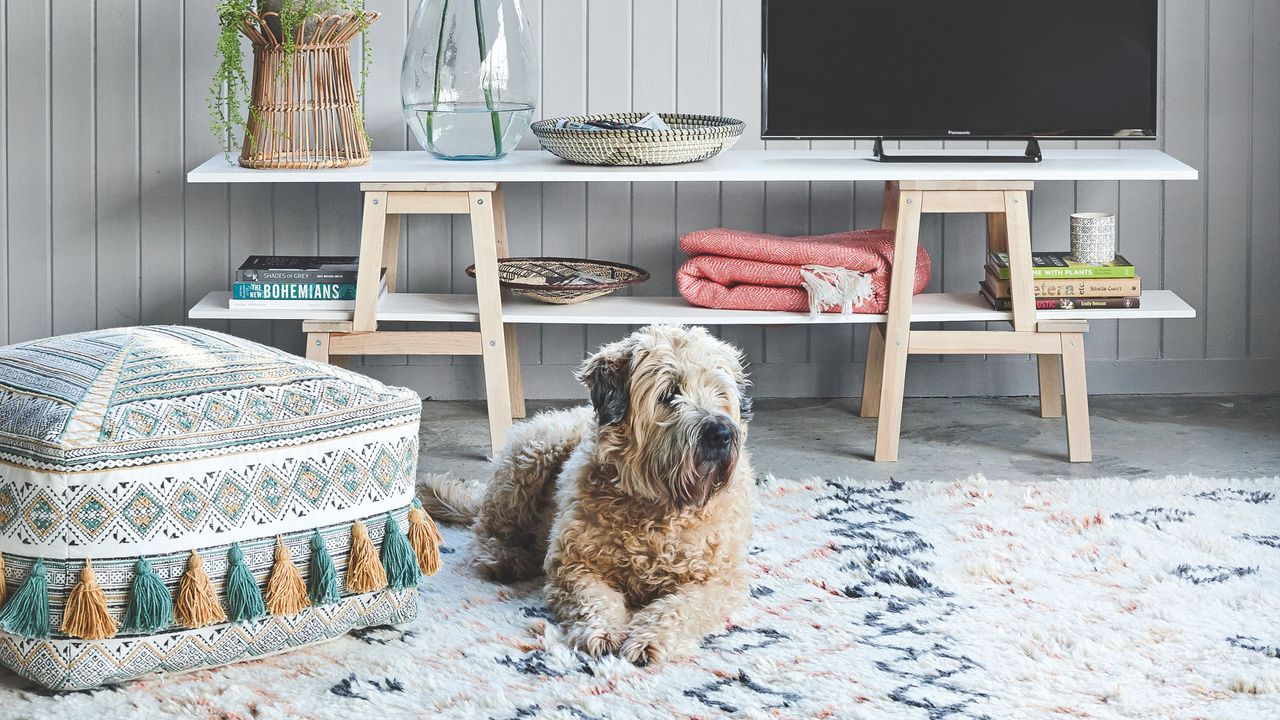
{"x": 564, "y": 281}
{"x": 691, "y": 138}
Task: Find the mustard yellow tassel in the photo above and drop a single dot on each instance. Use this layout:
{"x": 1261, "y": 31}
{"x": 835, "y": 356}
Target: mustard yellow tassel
{"x": 425, "y": 538}
{"x": 364, "y": 570}
{"x": 286, "y": 593}
{"x": 4, "y": 586}
{"x": 85, "y": 615}
{"x": 197, "y": 604}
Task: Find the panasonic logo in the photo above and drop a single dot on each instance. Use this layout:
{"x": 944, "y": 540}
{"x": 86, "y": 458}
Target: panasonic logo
{"x": 959, "y": 132}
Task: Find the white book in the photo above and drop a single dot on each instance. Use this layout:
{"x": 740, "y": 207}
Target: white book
{"x": 235, "y": 304}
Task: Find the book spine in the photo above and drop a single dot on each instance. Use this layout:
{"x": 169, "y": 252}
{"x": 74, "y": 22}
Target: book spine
{"x": 328, "y": 277}
{"x": 1127, "y": 287}
{"x": 278, "y": 305}
{"x": 320, "y": 292}
{"x": 1076, "y": 272}
{"x": 1072, "y": 303}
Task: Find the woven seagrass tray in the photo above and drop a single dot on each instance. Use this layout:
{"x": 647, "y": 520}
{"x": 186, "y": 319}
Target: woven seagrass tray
{"x": 564, "y": 281}
{"x": 691, "y": 138}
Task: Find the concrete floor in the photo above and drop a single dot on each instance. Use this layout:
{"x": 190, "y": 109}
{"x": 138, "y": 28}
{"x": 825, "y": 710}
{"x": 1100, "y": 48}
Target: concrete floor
{"x": 946, "y": 438}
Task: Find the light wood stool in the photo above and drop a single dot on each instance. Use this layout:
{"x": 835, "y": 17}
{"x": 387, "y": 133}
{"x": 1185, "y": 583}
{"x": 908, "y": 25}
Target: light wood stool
{"x": 384, "y": 203}
{"x": 1058, "y": 346}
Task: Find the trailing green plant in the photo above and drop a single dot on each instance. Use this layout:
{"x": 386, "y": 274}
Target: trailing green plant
{"x": 229, "y": 92}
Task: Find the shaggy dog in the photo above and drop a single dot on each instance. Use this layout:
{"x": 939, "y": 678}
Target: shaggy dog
{"x": 638, "y": 508}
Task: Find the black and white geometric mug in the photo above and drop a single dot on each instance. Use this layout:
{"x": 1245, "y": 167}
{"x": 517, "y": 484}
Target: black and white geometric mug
{"x": 1093, "y": 237}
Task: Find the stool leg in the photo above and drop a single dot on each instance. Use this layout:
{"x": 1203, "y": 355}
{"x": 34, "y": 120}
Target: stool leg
{"x": 318, "y": 347}
{"x": 873, "y": 375}
{"x": 1079, "y": 446}
{"x": 1050, "y": 367}
{"x": 516, "y": 383}
{"x": 493, "y": 337}
{"x": 365, "y": 317}
{"x": 898, "y": 327}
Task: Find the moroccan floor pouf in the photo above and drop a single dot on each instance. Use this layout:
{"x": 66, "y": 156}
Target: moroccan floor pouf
{"x": 174, "y": 499}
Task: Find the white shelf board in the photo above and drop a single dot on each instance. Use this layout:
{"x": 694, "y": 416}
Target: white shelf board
{"x": 735, "y": 165}
{"x": 621, "y": 310}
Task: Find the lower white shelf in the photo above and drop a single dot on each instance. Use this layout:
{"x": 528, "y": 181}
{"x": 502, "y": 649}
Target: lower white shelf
{"x": 620, "y": 310}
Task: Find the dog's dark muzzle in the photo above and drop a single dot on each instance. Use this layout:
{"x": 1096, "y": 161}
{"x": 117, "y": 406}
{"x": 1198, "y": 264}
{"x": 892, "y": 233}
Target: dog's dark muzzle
{"x": 717, "y": 443}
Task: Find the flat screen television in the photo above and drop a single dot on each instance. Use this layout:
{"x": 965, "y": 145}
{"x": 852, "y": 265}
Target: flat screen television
{"x": 959, "y": 69}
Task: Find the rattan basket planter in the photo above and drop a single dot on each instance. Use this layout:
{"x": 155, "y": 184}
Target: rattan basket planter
{"x": 548, "y": 278}
{"x": 308, "y": 116}
{"x": 691, "y": 138}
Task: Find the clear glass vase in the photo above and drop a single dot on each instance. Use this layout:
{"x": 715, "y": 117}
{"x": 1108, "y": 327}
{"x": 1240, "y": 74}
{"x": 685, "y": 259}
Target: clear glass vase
{"x": 470, "y": 77}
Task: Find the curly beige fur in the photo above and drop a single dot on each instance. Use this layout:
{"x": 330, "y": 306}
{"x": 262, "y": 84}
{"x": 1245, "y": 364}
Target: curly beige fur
{"x": 638, "y": 509}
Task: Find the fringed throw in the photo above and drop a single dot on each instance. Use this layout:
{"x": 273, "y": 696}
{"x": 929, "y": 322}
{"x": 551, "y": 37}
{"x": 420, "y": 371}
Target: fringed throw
{"x": 197, "y": 604}
{"x": 244, "y": 599}
{"x": 425, "y": 538}
{"x": 398, "y": 558}
{"x": 150, "y": 608}
{"x": 286, "y": 593}
{"x": 835, "y": 287}
{"x": 364, "y": 572}
{"x": 322, "y": 584}
{"x": 27, "y": 612}
{"x": 85, "y": 615}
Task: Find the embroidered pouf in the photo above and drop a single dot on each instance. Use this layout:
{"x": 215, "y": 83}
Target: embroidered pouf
{"x": 173, "y": 499}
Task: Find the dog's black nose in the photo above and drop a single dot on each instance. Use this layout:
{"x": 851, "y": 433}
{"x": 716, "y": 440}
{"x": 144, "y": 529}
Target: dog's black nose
{"x": 717, "y": 436}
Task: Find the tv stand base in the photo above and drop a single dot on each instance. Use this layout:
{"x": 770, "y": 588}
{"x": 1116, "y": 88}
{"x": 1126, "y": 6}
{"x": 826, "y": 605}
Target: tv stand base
{"x": 1031, "y": 155}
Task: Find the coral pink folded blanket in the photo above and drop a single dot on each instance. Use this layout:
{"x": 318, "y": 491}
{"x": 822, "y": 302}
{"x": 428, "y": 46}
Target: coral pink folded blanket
{"x": 735, "y": 270}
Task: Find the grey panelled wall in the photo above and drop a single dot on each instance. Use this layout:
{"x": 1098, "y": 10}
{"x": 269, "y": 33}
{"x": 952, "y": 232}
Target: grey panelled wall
{"x": 104, "y": 111}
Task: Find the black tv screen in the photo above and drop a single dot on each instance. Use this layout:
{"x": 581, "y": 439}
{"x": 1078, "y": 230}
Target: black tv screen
{"x": 959, "y": 68}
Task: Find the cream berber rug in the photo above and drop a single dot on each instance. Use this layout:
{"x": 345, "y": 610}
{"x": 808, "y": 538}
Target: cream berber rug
{"x": 938, "y": 601}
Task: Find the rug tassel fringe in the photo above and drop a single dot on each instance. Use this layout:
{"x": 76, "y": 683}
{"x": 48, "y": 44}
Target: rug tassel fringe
{"x": 399, "y": 558}
{"x": 244, "y": 599}
{"x": 197, "y": 604}
{"x": 85, "y": 615}
{"x": 27, "y": 612}
{"x": 286, "y": 593}
{"x": 425, "y": 538}
{"x": 835, "y": 287}
{"x": 364, "y": 572}
{"x": 150, "y": 608}
{"x": 322, "y": 585}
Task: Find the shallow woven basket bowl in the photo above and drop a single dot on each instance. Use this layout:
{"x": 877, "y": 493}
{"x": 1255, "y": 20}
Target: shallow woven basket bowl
{"x": 540, "y": 278}
{"x": 691, "y": 138}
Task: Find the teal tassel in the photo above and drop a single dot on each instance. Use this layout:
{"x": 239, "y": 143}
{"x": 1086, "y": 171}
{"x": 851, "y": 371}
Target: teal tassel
{"x": 150, "y": 608}
{"x": 398, "y": 558}
{"x": 244, "y": 599}
{"x": 27, "y": 611}
{"x": 322, "y": 584}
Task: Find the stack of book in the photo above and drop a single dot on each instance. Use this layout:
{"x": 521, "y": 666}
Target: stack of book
{"x": 293, "y": 282}
{"x": 1063, "y": 284}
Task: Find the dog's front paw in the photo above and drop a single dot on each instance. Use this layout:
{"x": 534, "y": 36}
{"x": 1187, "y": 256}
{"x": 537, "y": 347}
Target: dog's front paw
{"x": 644, "y": 646}
{"x": 597, "y": 640}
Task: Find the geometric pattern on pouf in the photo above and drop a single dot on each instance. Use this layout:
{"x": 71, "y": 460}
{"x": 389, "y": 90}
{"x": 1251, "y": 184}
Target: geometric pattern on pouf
{"x": 173, "y": 499}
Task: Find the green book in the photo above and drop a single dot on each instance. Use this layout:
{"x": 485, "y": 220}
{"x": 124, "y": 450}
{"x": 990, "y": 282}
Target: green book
{"x": 293, "y": 291}
{"x": 1049, "y": 265}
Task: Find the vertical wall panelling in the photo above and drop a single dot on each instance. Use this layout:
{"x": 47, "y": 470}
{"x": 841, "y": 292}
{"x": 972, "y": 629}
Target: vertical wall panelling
{"x": 205, "y": 231}
{"x": 104, "y": 110}
{"x": 28, "y": 108}
{"x": 655, "y": 79}
{"x": 116, "y": 118}
{"x": 4, "y": 175}
{"x": 161, "y": 123}
{"x": 564, "y": 205}
{"x": 609, "y": 55}
{"x": 1186, "y": 98}
{"x": 72, "y": 201}
{"x": 742, "y": 204}
{"x": 1228, "y": 170}
{"x": 1264, "y": 221}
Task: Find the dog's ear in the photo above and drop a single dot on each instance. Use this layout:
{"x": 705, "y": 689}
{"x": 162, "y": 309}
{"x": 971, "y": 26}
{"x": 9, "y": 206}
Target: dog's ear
{"x": 744, "y": 405}
{"x": 607, "y": 375}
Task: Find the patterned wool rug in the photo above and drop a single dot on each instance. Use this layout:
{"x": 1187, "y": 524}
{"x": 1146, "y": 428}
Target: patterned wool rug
{"x": 975, "y": 599}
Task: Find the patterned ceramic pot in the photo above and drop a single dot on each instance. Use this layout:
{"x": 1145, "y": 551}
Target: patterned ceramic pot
{"x": 1093, "y": 237}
